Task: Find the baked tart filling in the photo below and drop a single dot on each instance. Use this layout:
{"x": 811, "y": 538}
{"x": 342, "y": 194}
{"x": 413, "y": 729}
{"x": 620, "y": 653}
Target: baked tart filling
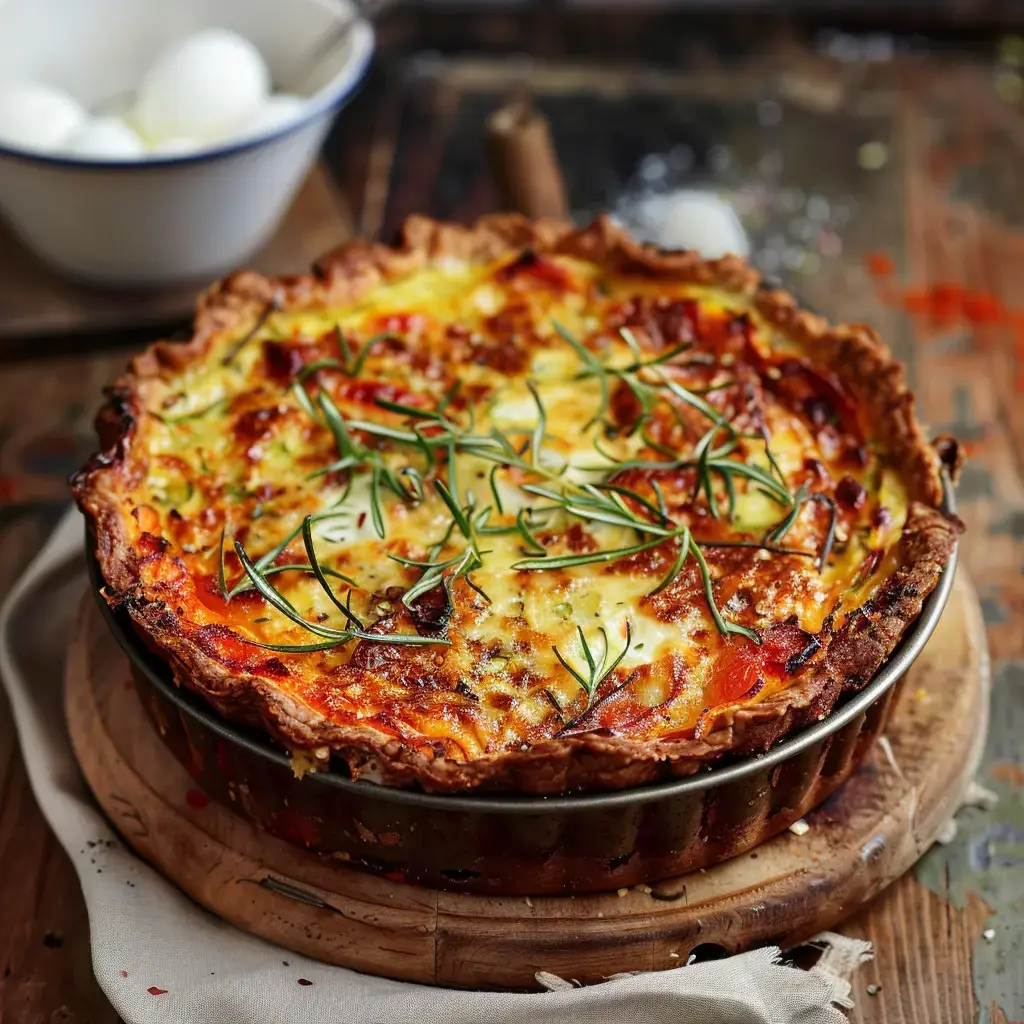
{"x": 517, "y": 507}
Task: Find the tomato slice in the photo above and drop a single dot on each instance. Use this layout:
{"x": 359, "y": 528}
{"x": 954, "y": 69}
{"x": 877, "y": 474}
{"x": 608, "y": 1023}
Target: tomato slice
{"x": 742, "y": 667}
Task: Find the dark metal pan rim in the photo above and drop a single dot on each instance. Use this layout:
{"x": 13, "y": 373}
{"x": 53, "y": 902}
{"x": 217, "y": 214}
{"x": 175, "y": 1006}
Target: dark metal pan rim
{"x": 897, "y": 664}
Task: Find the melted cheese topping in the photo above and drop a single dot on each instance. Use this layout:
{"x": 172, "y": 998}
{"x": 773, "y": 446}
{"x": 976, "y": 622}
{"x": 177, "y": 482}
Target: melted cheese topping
{"x": 230, "y": 449}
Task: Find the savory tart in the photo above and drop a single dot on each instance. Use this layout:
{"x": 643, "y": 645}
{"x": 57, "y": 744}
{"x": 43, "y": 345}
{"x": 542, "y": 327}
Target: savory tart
{"x": 517, "y": 507}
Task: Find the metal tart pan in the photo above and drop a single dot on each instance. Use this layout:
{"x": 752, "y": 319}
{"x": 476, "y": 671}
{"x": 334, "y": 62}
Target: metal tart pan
{"x": 522, "y": 845}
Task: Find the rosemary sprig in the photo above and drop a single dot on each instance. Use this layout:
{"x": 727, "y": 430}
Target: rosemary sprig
{"x": 593, "y": 367}
{"x": 462, "y": 522}
{"x": 707, "y": 459}
{"x": 532, "y": 544}
{"x": 349, "y": 364}
{"x": 492, "y": 480}
{"x": 777, "y": 532}
{"x": 639, "y": 363}
{"x": 662, "y": 506}
{"x": 331, "y": 637}
{"x": 682, "y": 552}
{"x": 264, "y": 563}
{"x": 321, "y": 575}
{"x": 431, "y": 577}
{"x": 597, "y": 671}
{"x": 316, "y": 366}
{"x": 298, "y": 389}
{"x": 696, "y": 401}
{"x": 659, "y": 512}
{"x": 802, "y": 497}
{"x": 687, "y": 547}
{"x": 725, "y": 627}
{"x": 273, "y": 570}
{"x": 261, "y": 320}
{"x": 537, "y": 438}
{"x": 355, "y": 455}
{"x": 221, "y": 568}
{"x": 444, "y": 572}
{"x": 280, "y": 602}
{"x": 416, "y": 487}
{"x": 645, "y": 393}
{"x": 586, "y": 558}
{"x": 356, "y": 365}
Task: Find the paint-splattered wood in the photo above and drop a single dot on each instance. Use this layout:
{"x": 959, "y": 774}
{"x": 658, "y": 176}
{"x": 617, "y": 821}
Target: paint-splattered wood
{"x": 860, "y": 840}
{"x": 959, "y": 915}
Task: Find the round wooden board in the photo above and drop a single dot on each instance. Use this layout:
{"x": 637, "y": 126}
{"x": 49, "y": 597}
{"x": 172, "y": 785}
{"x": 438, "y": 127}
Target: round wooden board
{"x": 866, "y": 835}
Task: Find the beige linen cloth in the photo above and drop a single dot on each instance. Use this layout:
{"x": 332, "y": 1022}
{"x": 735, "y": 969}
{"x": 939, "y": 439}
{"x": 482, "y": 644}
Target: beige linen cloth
{"x": 160, "y": 957}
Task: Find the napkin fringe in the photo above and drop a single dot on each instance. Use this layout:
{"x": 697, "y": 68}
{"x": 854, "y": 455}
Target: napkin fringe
{"x": 841, "y": 957}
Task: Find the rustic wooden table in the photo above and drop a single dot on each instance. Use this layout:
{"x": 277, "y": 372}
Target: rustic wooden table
{"x": 889, "y": 193}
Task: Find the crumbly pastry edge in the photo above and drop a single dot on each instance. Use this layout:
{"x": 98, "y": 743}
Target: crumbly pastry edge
{"x": 591, "y": 761}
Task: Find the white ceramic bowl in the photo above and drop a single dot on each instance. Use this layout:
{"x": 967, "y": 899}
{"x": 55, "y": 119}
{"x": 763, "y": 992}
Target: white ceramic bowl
{"x": 168, "y": 218}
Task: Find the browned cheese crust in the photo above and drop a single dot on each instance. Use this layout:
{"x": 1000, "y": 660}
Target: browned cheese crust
{"x": 588, "y": 759}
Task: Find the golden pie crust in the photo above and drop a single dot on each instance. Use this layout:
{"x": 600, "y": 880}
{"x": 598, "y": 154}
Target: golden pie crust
{"x": 498, "y": 707}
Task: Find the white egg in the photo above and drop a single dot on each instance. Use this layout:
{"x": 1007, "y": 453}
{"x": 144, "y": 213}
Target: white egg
{"x": 695, "y": 219}
{"x": 106, "y": 138}
{"x": 175, "y": 147}
{"x": 278, "y": 110}
{"x": 207, "y": 87}
{"x": 34, "y": 116}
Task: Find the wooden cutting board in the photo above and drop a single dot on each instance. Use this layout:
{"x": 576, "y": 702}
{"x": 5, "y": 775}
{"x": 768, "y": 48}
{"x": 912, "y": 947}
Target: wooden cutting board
{"x": 35, "y": 300}
{"x": 866, "y": 835}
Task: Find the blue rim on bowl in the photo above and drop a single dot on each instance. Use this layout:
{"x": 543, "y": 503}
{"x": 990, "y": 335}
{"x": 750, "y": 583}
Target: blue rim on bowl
{"x": 329, "y": 99}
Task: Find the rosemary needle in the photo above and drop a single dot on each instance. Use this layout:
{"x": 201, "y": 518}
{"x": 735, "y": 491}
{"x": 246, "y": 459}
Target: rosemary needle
{"x": 596, "y": 671}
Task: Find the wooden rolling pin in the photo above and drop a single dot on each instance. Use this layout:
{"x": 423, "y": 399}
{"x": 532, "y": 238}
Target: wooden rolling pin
{"x": 524, "y": 163}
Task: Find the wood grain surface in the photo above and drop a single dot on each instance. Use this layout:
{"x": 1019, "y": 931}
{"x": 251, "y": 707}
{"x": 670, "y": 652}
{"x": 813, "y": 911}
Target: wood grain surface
{"x": 944, "y": 206}
{"x": 791, "y": 888}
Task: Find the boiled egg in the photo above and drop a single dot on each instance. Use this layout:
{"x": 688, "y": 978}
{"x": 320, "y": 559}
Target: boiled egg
{"x": 206, "y": 87}
{"x": 106, "y": 138}
{"x": 694, "y": 219}
{"x": 36, "y": 116}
